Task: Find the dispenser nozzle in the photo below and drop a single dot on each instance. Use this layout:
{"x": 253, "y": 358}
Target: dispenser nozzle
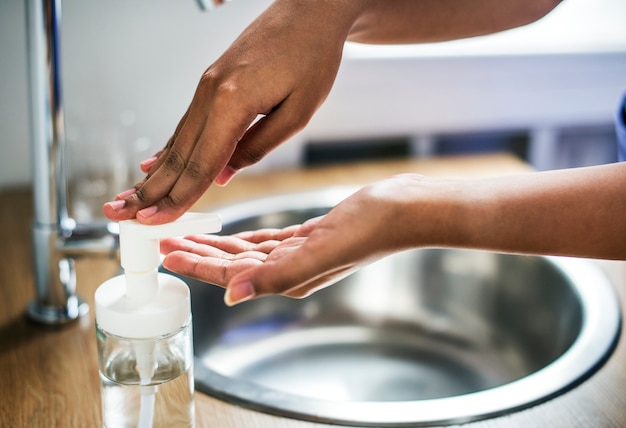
{"x": 139, "y": 243}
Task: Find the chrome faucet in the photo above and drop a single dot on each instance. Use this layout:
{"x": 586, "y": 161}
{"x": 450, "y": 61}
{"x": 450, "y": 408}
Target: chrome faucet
{"x": 57, "y": 240}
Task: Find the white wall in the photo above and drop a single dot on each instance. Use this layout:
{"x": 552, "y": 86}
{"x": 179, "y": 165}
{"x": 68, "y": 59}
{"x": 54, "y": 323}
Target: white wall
{"x": 141, "y": 59}
{"x": 14, "y": 161}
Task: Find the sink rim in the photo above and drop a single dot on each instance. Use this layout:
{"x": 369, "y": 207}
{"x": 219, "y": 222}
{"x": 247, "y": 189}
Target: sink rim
{"x": 598, "y": 337}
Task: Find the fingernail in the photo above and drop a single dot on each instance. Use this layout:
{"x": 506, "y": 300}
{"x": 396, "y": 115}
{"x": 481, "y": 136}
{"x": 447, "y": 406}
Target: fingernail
{"x": 239, "y": 292}
{"x": 147, "y": 164}
{"x": 148, "y": 212}
{"x": 225, "y": 176}
{"x": 126, "y": 193}
{"x": 117, "y": 205}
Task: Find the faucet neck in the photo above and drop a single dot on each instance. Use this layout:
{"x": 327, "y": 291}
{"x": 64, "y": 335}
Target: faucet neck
{"x": 46, "y": 112}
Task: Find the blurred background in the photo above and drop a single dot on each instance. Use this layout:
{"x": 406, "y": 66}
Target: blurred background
{"x": 547, "y": 92}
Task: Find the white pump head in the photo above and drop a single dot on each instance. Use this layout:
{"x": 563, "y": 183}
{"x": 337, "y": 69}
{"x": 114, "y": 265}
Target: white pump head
{"x": 143, "y": 303}
{"x": 139, "y": 249}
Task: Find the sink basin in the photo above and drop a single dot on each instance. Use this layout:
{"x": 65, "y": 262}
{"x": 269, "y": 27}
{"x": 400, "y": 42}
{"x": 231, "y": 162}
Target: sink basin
{"x": 419, "y": 338}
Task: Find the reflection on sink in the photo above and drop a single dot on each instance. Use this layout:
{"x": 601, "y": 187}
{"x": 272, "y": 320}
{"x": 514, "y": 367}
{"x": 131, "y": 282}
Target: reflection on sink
{"x": 421, "y": 337}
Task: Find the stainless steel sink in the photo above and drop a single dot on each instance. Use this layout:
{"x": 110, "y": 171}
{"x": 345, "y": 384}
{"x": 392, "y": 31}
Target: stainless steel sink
{"x": 419, "y": 338}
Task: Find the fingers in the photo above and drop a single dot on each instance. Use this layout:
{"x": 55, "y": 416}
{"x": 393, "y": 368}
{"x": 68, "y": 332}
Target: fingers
{"x": 213, "y": 245}
{"x": 196, "y": 154}
{"x": 183, "y": 172}
{"x": 269, "y": 261}
{"x": 219, "y": 259}
{"x": 147, "y": 164}
{"x": 194, "y": 258}
{"x": 213, "y": 270}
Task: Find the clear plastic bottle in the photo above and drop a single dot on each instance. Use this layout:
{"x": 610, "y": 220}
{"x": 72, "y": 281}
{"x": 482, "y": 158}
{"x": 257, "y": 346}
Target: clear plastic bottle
{"x": 143, "y": 326}
{"x": 164, "y": 400}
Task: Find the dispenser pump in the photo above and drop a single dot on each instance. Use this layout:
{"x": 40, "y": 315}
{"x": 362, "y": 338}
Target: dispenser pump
{"x": 139, "y": 249}
{"x": 143, "y": 303}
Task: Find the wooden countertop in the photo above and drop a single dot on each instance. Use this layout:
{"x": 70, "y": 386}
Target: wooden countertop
{"x": 49, "y": 376}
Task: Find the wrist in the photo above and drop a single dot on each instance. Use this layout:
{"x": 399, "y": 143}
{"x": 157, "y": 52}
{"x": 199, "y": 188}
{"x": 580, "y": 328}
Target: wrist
{"x": 425, "y": 212}
{"x": 445, "y": 213}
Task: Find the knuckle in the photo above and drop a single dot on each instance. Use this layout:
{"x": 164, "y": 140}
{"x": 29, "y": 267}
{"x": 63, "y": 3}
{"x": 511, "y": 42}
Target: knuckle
{"x": 171, "y": 201}
{"x": 210, "y": 77}
{"x": 196, "y": 171}
{"x": 174, "y": 162}
{"x": 142, "y": 195}
{"x": 223, "y": 271}
{"x": 228, "y": 96}
{"x": 251, "y": 156}
{"x": 224, "y": 91}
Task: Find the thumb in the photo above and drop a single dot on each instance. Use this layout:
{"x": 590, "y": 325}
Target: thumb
{"x": 272, "y": 277}
{"x": 239, "y": 292}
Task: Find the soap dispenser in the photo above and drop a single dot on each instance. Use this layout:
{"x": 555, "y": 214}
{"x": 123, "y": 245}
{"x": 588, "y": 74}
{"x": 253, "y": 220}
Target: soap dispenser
{"x": 144, "y": 333}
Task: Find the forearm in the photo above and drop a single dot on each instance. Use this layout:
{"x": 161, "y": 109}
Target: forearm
{"x": 410, "y": 21}
{"x": 420, "y": 21}
{"x": 575, "y": 212}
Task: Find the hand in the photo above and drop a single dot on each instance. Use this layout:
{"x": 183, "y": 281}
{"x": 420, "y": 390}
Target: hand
{"x": 281, "y": 69}
{"x": 299, "y": 260}
{"x": 242, "y": 262}
{"x": 571, "y": 212}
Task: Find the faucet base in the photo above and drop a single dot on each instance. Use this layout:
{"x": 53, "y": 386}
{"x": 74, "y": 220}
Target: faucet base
{"x": 53, "y": 315}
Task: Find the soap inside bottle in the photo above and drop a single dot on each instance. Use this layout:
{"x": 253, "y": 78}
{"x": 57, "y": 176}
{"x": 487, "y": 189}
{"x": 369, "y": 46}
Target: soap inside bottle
{"x": 165, "y": 399}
